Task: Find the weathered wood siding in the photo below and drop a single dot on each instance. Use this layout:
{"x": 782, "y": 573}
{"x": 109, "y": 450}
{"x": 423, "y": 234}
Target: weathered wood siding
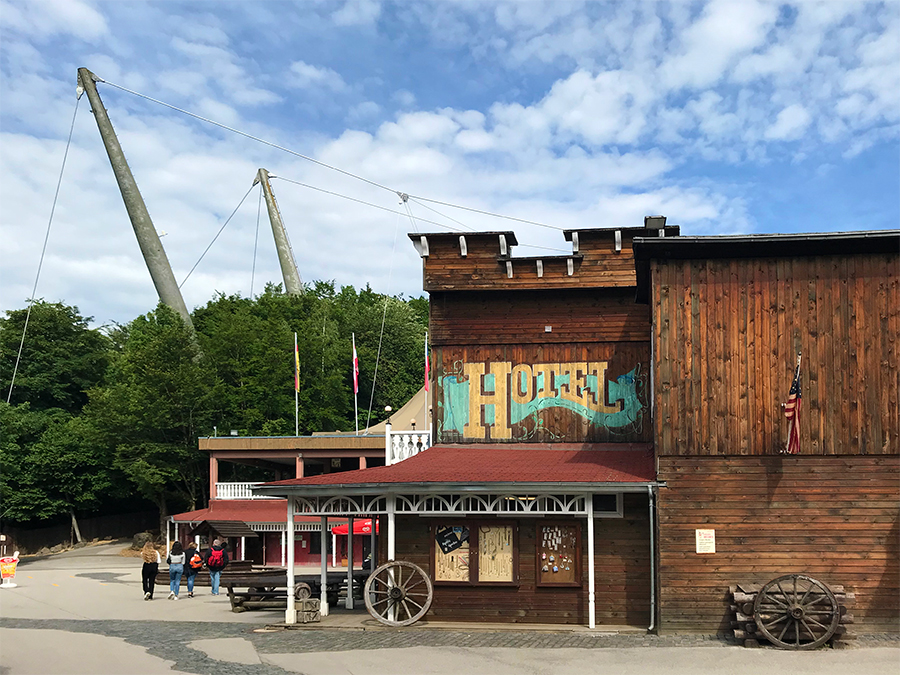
{"x": 481, "y": 317}
{"x": 626, "y": 387}
{"x": 834, "y": 518}
{"x": 622, "y": 560}
{"x": 726, "y": 336}
{"x": 596, "y": 264}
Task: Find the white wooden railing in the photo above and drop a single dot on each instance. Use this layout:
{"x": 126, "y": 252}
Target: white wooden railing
{"x": 400, "y": 445}
{"x": 238, "y": 491}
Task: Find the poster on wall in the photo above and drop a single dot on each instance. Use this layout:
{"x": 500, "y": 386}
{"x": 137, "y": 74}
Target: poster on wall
{"x": 559, "y": 554}
{"x": 706, "y": 541}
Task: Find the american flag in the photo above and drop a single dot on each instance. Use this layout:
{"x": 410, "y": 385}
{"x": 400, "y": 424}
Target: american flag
{"x": 792, "y": 412}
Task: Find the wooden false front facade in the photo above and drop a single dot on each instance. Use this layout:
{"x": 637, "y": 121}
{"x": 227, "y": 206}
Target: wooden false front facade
{"x": 545, "y": 350}
{"x": 729, "y": 319}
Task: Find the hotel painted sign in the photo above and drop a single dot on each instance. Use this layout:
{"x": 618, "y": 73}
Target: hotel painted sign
{"x": 509, "y": 399}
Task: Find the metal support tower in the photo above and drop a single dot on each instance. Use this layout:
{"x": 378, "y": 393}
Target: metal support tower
{"x": 293, "y": 284}
{"x": 151, "y": 247}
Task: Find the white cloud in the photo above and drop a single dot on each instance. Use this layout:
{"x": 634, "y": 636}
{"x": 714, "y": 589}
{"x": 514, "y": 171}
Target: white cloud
{"x": 725, "y": 31}
{"x": 306, "y": 76}
{"x": 45, "y": 18}
{"x": 790, "y": 124}
{"x": 357, "y": 12}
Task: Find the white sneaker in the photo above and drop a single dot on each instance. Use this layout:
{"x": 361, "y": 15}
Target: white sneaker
{"x": 147, "y": 595}
{"x": 175, "y": 598}
{"x": 171, "y": 594}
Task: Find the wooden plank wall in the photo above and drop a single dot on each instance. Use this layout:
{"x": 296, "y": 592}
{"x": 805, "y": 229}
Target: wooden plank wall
{"x": 726, "y": 336}
{"x": 834, "y": 518}
{"x": 556, "y": 423}
{"x": 622, "y": 560}
{"x": 597, "y": 264}
{"x": 481, "y": 317}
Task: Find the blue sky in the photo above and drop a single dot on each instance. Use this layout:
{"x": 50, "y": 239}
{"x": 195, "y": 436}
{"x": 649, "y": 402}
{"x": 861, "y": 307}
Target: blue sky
{"x": 728, "y": 117}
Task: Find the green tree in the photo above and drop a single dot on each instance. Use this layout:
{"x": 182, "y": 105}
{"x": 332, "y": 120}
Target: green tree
{"x": 62, "y": 357}
{"x": 159, "y": 398}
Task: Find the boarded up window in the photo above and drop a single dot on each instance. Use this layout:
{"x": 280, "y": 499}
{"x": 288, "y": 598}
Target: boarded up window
{"x": 495, "y": 553}
{"x": 559, "y": 554}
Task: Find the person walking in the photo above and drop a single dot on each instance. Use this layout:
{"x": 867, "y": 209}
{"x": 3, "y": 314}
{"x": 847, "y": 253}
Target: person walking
{"x": 193, "y": 564}
{"x": 150, "y": 569}
{"x": 216, "y": 560}
{"x": 176, "y": 569}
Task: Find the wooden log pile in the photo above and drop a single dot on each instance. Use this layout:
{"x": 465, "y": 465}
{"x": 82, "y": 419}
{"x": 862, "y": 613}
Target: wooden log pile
{"x": 743, "y": 623}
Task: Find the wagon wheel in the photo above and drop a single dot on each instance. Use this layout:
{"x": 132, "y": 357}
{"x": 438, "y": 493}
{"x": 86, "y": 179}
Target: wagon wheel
{"x": 398, "y": 593}
{"x": 302, "y": 591}
{"x": 796, "y": 612}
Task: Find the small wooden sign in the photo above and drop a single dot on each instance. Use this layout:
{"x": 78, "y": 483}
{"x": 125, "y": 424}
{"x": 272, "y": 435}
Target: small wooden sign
{"x": 706, "y": 541}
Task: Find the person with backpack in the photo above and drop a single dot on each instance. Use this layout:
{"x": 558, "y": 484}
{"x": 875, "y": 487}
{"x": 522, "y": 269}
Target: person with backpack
{"x": 216, "y": 560}
{"x": 193, "y": 565}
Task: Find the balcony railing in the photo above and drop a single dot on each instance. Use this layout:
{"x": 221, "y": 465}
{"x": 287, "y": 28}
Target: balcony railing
{"x": 402, "y": 445}
{"x": 238, "y": 491}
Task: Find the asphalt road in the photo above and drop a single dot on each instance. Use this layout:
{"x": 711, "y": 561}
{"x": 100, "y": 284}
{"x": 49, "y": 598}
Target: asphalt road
{"x": 83, "y": 612}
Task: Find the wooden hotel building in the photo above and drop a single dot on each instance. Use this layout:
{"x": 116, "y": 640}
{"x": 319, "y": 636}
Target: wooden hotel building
{"x": 593, "y": 411}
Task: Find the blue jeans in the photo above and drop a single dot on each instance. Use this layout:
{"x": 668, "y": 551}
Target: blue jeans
{"x": 190, "y": 581}
{"x": 214, "y": 576}
{"x": 175, "y": 572}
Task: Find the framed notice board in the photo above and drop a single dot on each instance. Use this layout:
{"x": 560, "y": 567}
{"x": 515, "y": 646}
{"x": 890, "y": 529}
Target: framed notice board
{"x": 558, "y": 549}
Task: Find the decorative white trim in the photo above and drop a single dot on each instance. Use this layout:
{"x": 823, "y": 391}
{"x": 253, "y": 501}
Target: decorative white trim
{"x": 405, "y": 444}
{"x": 460, "y": 504}
{"x": 570, "y": 266}
{"x": 618, "y": 241}
{"x": 540, "y": 268}
{"x": 509, "y": 269}
{"x": 463, "y": 248}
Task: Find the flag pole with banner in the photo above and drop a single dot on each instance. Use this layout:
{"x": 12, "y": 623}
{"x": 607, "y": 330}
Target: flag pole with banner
{"x": 296, "y": 387}
{"x": 355, "y": 384}
{"x": 792, "y": 412}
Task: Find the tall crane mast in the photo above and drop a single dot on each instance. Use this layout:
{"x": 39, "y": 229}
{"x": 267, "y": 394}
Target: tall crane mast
{"x": 293, "y": 284}
{"x": 151, "y": 247}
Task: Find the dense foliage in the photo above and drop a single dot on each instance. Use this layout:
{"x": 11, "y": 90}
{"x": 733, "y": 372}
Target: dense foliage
{"x": 98, "y": 413}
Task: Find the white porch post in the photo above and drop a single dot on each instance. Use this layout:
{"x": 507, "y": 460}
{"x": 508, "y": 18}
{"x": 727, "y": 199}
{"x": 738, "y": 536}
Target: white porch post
{"x": 243, "y": 548}
{"x": 391, "y": 552}
{"x": 334, "y": 550}
{"x": 348, "y": 603}
{"x": 592, "y": 607}
{"x": 290, "y": 614}
{"x": 387, "y": 442}
{"x": 373, "y": 548}
{"x": 283, "y": 563}
{"x": 323, "y": 603}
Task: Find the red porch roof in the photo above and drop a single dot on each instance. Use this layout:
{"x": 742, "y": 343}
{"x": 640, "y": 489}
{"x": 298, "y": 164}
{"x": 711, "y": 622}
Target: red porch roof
{"x": 246, "y": 510}
{"x": 507, "y": 463}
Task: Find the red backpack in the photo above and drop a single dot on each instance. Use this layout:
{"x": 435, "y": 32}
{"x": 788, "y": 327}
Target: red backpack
{"x": 216, "y": 558}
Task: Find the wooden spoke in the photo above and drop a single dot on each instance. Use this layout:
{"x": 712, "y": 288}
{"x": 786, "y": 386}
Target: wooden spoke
{"x": 804, "y": 616}
{"x": 395, "y": 580}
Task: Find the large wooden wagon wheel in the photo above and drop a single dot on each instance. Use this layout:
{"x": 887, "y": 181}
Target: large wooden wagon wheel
{"x": 398, "y": 593}
{"x": 796, "y": 612}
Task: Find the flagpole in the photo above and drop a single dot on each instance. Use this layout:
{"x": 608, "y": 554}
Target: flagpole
{"x": 296, "y": 387}
{"x": 355, "y": 385}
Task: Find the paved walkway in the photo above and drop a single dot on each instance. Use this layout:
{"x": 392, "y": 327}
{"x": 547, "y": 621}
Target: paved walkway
{"x": 82, "y": 612}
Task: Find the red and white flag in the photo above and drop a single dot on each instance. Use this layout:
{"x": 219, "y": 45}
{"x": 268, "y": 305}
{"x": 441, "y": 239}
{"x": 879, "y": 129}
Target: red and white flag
{"x": 427, "y": 365}
{"x": 355, "y": 368}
